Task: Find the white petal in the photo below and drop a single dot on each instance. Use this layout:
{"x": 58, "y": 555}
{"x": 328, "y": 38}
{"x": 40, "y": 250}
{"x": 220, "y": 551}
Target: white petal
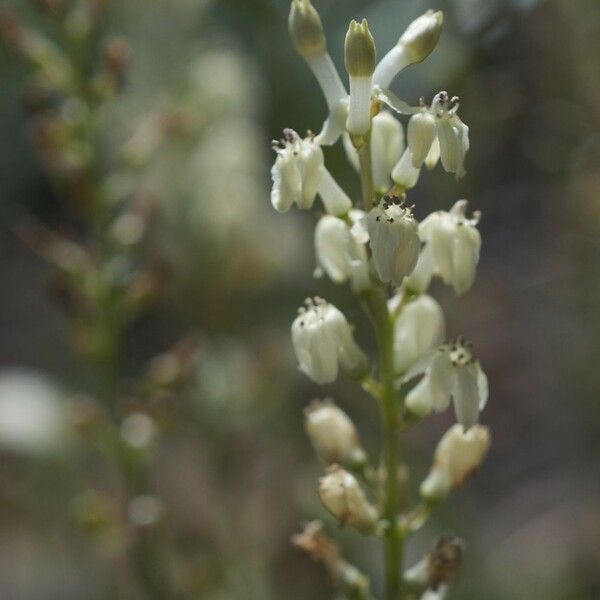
{"x": 328, "y": 77}
{"x": 332, "y": 239}
{"x": 420, "y": 278}
{"x": 334, "y": 198}
{"x": 421, "y": 133}
{"x": 359, "y": 113}
{"x": 287, "y": 184}
{"x": 390, "y": 65}
{"x": 418, "y": 330}
{"x": 404, "y": 173}
{"x": 387, "y": 145}
{"x": 451, "y": 146}
{"x": 391, "y": 100}
{"x": 433, "y": 156}
{"x": 335, "y": 124}
{"x": 466, "y": 395}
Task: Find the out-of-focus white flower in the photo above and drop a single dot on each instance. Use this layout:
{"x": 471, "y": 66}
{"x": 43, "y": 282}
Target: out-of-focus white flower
{"x": 451, "y": 251}
{"x": 299, "y": 174}
{"x": 343, "y": 497}
{"x": 418, "y": 329}
{"x": 359, "y": 51}
{"x": 145, "y": 510}
{"x": 340, "y": 254}
{"x": 450, "y": 371}
{"x": 323, "y": 341}
{"x": 387, "y": 145}
{"x": 393, "y": 238}
{"x": 137, "y": 430}
{"x": 415, "y": 44}
{"x": 457, "y": 455}
{"x": 332, "y": 433}
{"x": 33, "y": 414}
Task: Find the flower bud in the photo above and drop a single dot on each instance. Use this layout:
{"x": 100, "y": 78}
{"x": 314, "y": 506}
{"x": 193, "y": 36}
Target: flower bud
{"x": 359, "y": 50}
{"x": 343, "y": 497}
{"x": 421, "y": 133}
{"x": 360, "y": 64}
{"x": 457, "y": 455}
{"x": 422, "y": 35}
{"x": 306, "y": 29}
{"x": 418, "y": 330}
{"x": 333, "y": 434}
{"x": 393, "y": 239}
{"x": 415, "y": 44}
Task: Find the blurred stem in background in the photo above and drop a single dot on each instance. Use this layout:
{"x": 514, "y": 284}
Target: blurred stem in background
{"x": 72, "y": 79}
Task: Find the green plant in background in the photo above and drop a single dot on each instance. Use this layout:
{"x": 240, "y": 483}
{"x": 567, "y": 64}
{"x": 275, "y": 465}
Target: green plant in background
{"x": 379, "y": 246}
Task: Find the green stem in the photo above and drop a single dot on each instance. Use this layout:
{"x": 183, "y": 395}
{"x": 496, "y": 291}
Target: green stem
{"x": 376, "y": 306}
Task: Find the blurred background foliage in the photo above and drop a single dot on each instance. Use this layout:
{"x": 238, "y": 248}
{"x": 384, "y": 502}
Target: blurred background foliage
{"x": 206, "y": 406}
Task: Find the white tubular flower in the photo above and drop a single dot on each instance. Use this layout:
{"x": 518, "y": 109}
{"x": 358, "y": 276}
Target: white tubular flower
{"x": 393, "y": 238}
{"x": 299, "y": 173}
{"x": 451, "y": 251}
{"x": 387, "y": 145}
{"x": 307, "y": 34}
{"x": 333, "y": 434}
{"x": 360, "y": 64}
{"x": 457, "y": 455}
{"x": 418, "y": 330}
{"x": 343, "y": 497}
{"x": 415, "y": 44}
{"x": 440, "y": 122}
{"x": 451, "y": 371}
{"x": 340, "y": 254}
{"x": 323, "y": 341}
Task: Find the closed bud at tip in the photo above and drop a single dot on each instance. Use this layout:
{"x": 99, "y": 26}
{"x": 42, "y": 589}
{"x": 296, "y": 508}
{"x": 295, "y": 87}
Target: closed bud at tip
{"x": 422, "y": 35}
{"x": 306, "y": 29}
{"x": 333, "y": 434}
{"x": 343, "y": 497}
{"x": 359, "y": 50}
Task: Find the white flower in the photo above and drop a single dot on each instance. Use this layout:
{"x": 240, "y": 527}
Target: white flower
{"x": 393, "y": 239}
{"x": 333, "y": 434}
{"x": 340, "y": 254}
{"x": 451, "y": 250}
{"x": 457, "y": 455}
{"x": 299, "y": 174}
{"x": 387, "y": 145}
{"x": 450, "y": 371}
{"x": 414, "y": 45}
{"x": 34, "y": 414}
{"x": 418, "y": 329}
{"x": 404, "y": 173}
{"x": 440, "y": 122}
{"x": 323, "y": 341}
{"x": 343, "y": 497}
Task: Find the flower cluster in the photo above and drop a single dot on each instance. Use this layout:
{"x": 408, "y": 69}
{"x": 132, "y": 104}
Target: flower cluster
{"x": 378, "y": 245}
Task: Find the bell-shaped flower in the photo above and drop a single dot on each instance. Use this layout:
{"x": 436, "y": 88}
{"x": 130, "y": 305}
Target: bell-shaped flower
{"x": 415, "y": 44}
{"x": 393, "y": 238}
{"x": 323, "y": 342}
{"x": 340, "y": 254}
{"x": 418, "y": 330}
{"x": 343, "y": 497}
{"x": 451, "y": 371}
{"x": 451, "y": 250}
{"x": 299, "y": 174}
{"x": 457, "y": 455}
{"x": 387, "y": 145}
{"x": 333, "y": 434}
{"x": 440, "y": 122}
